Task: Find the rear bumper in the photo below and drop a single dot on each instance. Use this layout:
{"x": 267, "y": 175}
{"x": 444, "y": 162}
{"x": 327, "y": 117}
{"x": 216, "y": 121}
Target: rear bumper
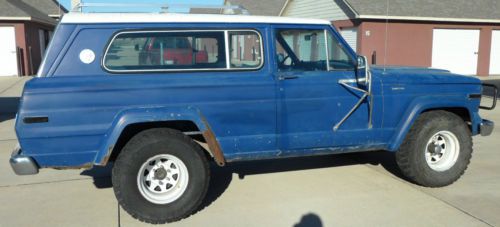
{"x": 21, "y": 164}
{"x": 486, "y": 127}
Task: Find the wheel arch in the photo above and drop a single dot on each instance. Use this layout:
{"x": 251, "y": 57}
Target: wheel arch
{"x": 130, "y": 122}
{"x": 458, "y": 107}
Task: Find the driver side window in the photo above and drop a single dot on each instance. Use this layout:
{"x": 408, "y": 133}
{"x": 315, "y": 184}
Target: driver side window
{"x": 302, "y": 50}
{"x": 310, "y": 50}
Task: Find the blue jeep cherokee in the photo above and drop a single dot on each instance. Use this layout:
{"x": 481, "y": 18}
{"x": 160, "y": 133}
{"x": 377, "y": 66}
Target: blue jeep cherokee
{"x": 163, "y": 95}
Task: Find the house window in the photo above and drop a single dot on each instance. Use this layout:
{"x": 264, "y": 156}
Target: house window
{"x": 43, "y": 38}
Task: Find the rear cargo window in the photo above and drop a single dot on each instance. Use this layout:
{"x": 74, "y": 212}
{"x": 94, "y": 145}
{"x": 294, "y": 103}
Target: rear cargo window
{"x": 139, "y": 51}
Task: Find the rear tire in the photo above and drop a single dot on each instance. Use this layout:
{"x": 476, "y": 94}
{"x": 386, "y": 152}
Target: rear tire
{"x": 437, "y": 149}
{"x": 160, "y": 176}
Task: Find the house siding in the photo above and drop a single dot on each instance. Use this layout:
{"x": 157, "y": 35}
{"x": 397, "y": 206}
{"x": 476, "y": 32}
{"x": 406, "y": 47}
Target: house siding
{"x": 410, "y": 43}
{"x": 319, "y": 9}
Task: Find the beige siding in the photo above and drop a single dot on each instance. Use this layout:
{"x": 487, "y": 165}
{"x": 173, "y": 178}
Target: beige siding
{"x": 320, "y": 9}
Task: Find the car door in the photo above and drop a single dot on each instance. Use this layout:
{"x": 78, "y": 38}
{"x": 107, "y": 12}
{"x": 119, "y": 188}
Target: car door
{"x": 311, "y": 63}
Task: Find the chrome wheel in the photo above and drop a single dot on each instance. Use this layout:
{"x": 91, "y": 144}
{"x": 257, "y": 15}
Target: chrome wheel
{"x": 162, "y": 179}
{"x": 442, "y": 150}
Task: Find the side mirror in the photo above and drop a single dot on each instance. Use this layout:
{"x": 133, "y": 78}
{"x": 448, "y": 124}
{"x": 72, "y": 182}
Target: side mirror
{"x": 362, "y": 62}
{"x": 363, "y": 69}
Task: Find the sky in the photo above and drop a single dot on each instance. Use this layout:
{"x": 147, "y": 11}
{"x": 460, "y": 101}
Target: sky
{"x": 67, "y": 4}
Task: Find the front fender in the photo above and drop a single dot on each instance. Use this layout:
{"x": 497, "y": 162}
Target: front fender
{"x": 144, "y": 115}
{"x": 424, "y": 103}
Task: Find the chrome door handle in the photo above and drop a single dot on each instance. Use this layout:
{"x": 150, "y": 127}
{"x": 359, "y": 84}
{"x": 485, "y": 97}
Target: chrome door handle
{"x": 288, "y": 77}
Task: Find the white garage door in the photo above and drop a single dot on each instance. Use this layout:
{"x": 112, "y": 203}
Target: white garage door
{"x": 456, "y": 50}
{"x": 351, "y": 36}
{"x": 495, "y": 54}
{"x": 8, "y": 55}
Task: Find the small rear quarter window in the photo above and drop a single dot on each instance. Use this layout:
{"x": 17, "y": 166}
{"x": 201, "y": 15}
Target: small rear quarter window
{"x": 245, "y": 49}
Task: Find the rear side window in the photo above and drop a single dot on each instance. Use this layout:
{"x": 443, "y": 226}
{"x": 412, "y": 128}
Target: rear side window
{"x": 139, "y": 51}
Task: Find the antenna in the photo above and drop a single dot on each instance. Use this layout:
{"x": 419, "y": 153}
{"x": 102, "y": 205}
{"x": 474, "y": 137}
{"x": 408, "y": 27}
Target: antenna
{"x": 386, "y": 34}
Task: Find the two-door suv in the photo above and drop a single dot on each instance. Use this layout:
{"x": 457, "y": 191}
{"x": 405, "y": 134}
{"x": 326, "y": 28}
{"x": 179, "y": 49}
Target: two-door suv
{"x": 148, "y": 91}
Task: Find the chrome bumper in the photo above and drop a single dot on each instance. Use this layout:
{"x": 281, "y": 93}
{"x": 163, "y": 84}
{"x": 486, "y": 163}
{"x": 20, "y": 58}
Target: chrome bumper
{"x": 486, "y": 127}
{"x": 22, "y": 165}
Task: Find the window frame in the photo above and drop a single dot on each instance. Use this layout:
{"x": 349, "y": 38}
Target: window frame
{"x": 226, "y": 51}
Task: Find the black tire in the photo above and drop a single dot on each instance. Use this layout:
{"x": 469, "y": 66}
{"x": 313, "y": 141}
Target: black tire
{"x": 411, "y": 157}
{"x": 139, "y": 150}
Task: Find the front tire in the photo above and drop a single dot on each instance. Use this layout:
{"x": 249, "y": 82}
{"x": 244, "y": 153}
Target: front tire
{"x": 437, "y": 150}
{"x": 160, "y": 176}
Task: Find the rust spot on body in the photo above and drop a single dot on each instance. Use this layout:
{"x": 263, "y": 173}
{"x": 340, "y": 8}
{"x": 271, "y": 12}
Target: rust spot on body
{"x": 213, "y": 145}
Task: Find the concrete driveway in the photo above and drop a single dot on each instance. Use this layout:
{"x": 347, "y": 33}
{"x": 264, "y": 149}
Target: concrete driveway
{"x": 363, "y": 189}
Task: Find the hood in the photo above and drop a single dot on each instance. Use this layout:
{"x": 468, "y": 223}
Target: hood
{"x": 421, "y": 75}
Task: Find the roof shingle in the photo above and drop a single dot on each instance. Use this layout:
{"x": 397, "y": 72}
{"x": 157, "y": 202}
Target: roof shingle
{"x": 260, "y": 7}
{"x": 36, "y": 10}
{"x": 49, "y": 7}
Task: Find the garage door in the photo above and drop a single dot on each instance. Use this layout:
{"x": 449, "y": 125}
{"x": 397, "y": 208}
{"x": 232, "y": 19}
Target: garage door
{"x": 495, "y": 54}
{"x": 456, "y": 50}
{"x": 8, "y": 56}
{"x": 351, "y": 36}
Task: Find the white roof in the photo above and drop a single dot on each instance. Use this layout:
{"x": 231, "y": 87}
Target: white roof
{"x": 92, "y": 18}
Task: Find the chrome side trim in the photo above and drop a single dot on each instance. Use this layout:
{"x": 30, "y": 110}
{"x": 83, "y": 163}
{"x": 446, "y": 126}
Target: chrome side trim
{"x": 326, "y": 50}
{"x": 193, "y": 133}
{"x": 226, "y": 51}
